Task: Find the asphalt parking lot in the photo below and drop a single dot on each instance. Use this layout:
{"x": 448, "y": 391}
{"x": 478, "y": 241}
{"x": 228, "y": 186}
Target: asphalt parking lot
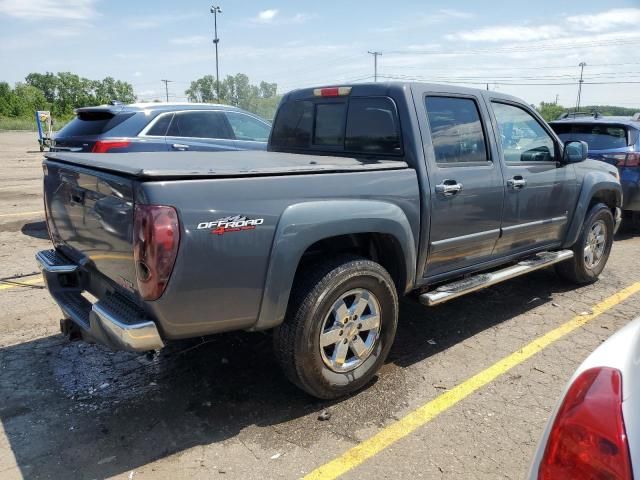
{"x": 465, "y": 393}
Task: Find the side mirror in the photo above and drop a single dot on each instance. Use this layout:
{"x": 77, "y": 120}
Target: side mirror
{"x": 575, "y": 152}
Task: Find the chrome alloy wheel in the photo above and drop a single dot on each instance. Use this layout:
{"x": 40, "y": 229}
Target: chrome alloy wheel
{"x": 596, "y": 240}
{"x": 350, "y": 330}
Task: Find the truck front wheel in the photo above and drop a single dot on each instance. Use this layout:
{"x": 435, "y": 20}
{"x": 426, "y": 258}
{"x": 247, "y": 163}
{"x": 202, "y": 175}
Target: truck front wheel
{"x": 592, "y": 249}
{"x": 339, "y": 327}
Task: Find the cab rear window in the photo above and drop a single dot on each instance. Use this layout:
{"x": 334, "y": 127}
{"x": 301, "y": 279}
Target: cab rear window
{"x": 359, "y": 125}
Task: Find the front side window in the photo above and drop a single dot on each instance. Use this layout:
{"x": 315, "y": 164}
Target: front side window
{"x": 199, "y": 125}
{"x": 523, "y": 138}
{"x": 246, "y": 127}
{"x": 456, "y": 130}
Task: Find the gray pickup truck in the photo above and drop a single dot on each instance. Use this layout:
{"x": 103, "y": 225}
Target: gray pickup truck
{"x": 367, "y": 192}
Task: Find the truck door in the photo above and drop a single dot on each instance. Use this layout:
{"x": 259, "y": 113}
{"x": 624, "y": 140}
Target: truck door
{"x": 540, "y": 191}
{"x": 467, "y": 187}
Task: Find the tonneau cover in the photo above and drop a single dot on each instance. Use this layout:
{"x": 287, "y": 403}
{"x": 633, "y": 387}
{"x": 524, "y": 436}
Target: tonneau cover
{"x": 153, "y": 165}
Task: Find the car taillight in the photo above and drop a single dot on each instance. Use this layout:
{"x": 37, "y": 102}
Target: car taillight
{"x": 156, "y": 236}
{"x": 625, "y": 159}
{"x": 588, "y": 439}
{"x": 632, "y": 160}
{"x": 103, "y": 146}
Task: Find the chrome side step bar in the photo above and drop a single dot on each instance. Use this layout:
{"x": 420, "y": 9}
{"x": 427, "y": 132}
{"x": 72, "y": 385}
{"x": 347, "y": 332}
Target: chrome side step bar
{"x": 456, "y": 289}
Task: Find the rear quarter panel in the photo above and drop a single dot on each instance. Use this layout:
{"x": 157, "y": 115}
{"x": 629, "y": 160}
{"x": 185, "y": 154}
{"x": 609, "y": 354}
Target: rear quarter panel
{"x": 218, "y": 280}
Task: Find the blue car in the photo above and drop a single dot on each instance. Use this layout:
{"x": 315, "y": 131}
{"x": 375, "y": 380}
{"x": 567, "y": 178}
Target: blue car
{"x": 156, "y": 127}
{"x": 615, "y": 140}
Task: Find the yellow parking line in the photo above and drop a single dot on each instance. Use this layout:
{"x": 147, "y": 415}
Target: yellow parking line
{"x": 20, "y": 283}
{"x": 417, "y": 418}
{"x": 23, "y": 214}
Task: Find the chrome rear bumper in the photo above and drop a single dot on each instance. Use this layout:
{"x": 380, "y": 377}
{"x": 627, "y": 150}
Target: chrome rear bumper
{"x": 113, "y": 321}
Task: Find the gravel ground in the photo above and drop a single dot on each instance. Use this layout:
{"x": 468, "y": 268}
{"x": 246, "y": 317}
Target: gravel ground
{"x": 220, "y": 408}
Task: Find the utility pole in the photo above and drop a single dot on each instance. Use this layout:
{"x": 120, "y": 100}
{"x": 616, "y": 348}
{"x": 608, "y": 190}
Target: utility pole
{"x": 375, "y": 64}
{"x": 215, "y": 9}
{"x": 556, "y": 102}
{"x": 166, "y": 88}
{"x": 581, "y": 65}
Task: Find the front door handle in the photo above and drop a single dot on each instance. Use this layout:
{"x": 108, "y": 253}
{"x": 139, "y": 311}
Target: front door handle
{"x": 180, "y": 146}
{"x": 517, "y": 182}
{"x": 448, "y": 188}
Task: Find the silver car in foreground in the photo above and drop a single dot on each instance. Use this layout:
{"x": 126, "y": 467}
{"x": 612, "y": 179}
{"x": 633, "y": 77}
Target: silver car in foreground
{"x": 594, "y": 431}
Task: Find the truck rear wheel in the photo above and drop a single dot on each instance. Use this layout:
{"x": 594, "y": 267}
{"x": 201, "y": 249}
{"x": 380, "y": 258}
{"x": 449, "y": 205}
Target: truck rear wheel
{"x": 339, "y": 326}
{"x": 592, "y": 249}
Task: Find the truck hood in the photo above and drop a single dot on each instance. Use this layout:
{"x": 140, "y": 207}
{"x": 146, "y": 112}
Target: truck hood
{"x": 591, "y": 164}
{"x": 154, "y": 165}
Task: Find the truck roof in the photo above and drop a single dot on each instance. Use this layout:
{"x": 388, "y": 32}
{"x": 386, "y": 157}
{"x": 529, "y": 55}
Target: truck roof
{"x": 370, "y": 88}
{"x": 183, "y": 165}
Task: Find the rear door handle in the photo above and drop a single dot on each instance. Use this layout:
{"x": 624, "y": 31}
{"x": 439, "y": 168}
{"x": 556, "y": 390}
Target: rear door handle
{"x": 517, "y": 182}
{"x": 180, "y": 146}
{"x": 448, "y": 188}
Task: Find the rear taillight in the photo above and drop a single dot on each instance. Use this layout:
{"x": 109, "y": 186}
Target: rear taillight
{"x": 104, "y": 146}
{"x": 632, "y": 160}
{"x": 588, "y": 438}
{"x": 156, "y": 236}
{"x": 624, "y": 159}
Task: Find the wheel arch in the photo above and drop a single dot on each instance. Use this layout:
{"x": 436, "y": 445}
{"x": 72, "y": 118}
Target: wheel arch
{"x": 597, "y": 187}
{"x": 309, "y": 231}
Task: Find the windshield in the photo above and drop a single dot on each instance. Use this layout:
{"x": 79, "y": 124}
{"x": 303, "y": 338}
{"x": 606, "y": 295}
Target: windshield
{"x": 598, "y": 136}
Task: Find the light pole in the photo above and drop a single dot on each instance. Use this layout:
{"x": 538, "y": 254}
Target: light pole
{"x": 581, "y": 65}
{"x": 215, "y": 9}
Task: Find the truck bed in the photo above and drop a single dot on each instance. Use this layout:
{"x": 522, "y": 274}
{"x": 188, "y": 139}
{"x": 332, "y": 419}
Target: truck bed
{"x": 183, "y": 165}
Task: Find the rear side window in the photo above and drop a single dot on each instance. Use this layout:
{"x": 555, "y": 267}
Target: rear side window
{"x": 456, "y": 130}
{"x": 93, "y": 123}
{"x": 598, "y": 136}
{"x": 159, "y": 128}
{"x": 199, "y": 125}
{"x": 367, "y": 125}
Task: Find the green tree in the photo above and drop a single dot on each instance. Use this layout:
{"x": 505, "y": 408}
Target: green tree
{"x": 236, "y": 90}
{"x": 550, "y": 111}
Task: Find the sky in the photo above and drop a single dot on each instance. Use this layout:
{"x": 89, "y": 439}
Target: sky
{"x": 507, "y": 45}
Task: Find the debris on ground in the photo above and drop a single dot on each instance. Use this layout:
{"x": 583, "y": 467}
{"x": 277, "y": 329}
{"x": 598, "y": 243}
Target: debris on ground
{"x": 326, "y": 415}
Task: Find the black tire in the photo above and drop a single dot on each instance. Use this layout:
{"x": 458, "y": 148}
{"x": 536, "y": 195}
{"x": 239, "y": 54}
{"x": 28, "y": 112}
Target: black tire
{"x": 630, "y": 222}
{"x": 316, "y": 290}
{"x": 577, "y": 269}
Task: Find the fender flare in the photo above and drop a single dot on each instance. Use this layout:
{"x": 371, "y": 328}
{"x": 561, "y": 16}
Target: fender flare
{"x": 303, "y": 224}
{"x": 593, "y": 183}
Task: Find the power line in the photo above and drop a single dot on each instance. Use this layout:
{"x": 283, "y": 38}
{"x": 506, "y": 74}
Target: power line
{"x": 515, "y": 49}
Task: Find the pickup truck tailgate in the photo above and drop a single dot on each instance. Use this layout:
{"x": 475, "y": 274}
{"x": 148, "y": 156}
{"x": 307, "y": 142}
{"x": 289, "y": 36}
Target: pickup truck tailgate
{"x": 90, "y": 219}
